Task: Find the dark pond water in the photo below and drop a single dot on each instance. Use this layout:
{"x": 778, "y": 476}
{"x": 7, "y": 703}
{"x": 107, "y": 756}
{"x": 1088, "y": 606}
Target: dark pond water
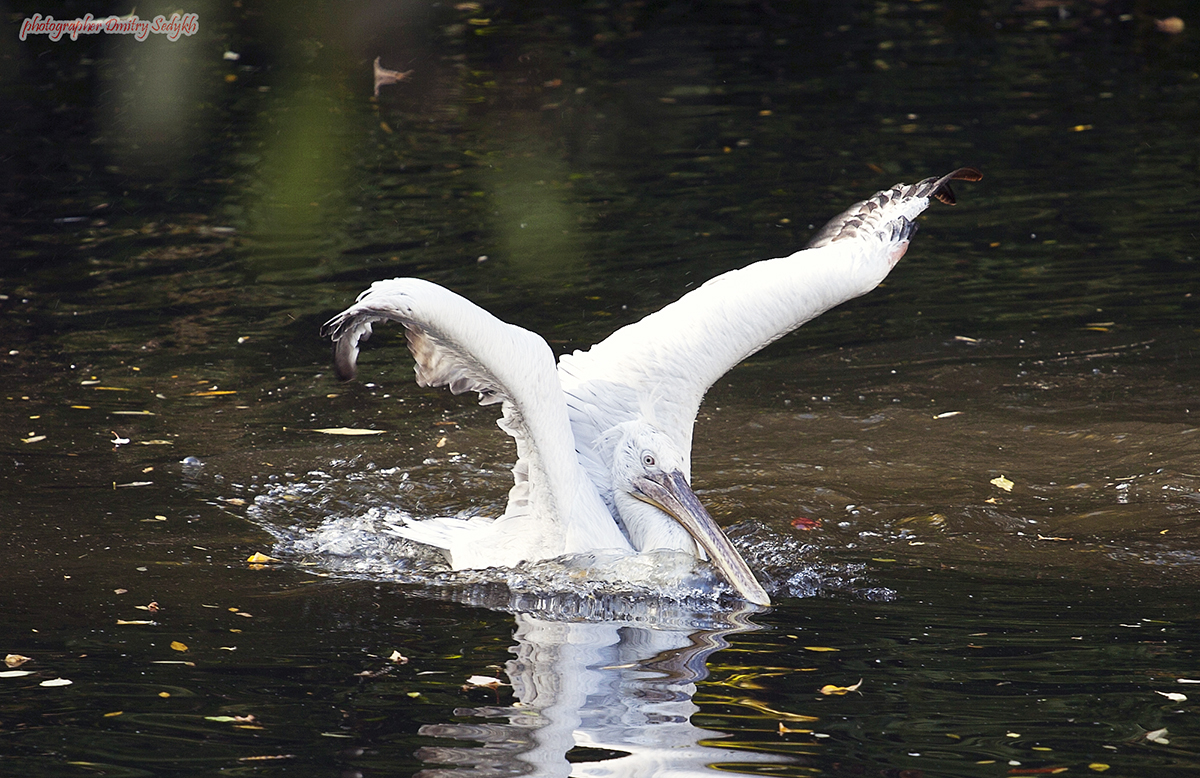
{"x": 178, "y": 218}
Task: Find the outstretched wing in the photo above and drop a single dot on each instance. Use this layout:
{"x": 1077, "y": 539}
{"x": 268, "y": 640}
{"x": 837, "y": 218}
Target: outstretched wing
{"x": 661, "y": 366}
{"x": 459, "y": 345}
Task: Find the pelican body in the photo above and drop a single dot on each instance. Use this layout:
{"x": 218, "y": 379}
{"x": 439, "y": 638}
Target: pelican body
{"x": 604, "y": 436}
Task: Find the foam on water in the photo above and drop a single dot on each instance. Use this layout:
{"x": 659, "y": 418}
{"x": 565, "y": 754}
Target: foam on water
{"x": 342, "y": 524}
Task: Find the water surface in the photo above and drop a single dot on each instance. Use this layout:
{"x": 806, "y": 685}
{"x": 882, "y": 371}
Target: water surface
{"x": 176, "y": 224}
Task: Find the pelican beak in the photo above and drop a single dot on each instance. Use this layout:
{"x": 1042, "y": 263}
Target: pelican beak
{"x": 671, "y": 493}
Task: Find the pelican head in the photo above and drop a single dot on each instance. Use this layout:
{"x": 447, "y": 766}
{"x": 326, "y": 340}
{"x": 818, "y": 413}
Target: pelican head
{"x": 659, "y": 509}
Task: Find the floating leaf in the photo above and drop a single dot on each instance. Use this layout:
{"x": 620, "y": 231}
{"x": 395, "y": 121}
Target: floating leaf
{"x": 820, "y": 648}
{"x": 1158, "y": 736}
{"x": 177, "y": 646}
{"x": 1098, "y": 766}
{"x": 123, "y": 622}
{"x": 348, "y": 431}
{"x": 829, "y": 688}
{"x": 805, "y": 523}
{"x": 259, "y": 558}
{"x": 131, "y": 413}
{"x": 1002, "y": 483}
{"x": 247, "y": 719}
{"x": 15, "y": 673}
{"x": 485, "y": 681}
{"x": 398, "y": 658}
{"x": 56, "y": 682}
{"x": 785, "y": 730}
{"x": 212, "y": 393}
{"x": 33, "y": 439}
{"x": 16, "y": 660}
{"x": 1186, "y": 680}
{"x": 1173, "y": 696}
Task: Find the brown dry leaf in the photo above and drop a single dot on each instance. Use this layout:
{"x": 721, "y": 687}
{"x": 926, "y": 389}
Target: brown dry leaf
{"x": 16, "y": 660}
{"x": 1172, "y": 25}
{"x": 829, "y": 688}
{"x": 384, "y": 77}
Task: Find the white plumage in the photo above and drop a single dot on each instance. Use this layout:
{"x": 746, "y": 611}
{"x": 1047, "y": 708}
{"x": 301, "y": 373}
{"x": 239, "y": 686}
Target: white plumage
{"x": 604, "y": 437}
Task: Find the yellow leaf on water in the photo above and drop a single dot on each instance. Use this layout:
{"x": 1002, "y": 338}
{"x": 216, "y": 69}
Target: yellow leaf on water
{"x": 213, "y": 393}
{"x": 820, "y": 648}
{"x": 259, "y": 558}
{"x": 829, "y": 688}
{"x": 110, "y": 714}
{"x": 177, "y": 646}
{"x": 1002, "y": 483}
{"x": 133, "y": 621}
{"x": 1098, "y": 766}
{"x": 33, "y": 439}
{"x": 348, "y": 431}
{"x": 784, "y": 730}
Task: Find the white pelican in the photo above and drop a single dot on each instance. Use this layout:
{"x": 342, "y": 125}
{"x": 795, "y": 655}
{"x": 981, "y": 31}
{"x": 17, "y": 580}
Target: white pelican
{"x": 604, "y": 437}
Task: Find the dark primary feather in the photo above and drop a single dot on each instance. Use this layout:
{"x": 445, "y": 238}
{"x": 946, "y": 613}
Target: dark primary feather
{"x": 868, "y": 212}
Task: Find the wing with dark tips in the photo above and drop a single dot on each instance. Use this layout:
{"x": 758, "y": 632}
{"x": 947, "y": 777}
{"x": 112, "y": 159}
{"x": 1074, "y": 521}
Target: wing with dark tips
{"x": 874, "y": 212}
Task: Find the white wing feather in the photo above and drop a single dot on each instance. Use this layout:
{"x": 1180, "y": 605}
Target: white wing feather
{"x": 552, "y": 508}
{"x": 660, "y": 367}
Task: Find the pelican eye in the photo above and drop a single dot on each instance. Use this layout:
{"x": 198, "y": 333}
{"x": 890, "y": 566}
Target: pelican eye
{"x": 648, "y": 460}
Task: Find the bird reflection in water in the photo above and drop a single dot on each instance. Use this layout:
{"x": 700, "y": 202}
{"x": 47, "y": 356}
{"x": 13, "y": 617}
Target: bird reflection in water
{"x": 596, "y": 698}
